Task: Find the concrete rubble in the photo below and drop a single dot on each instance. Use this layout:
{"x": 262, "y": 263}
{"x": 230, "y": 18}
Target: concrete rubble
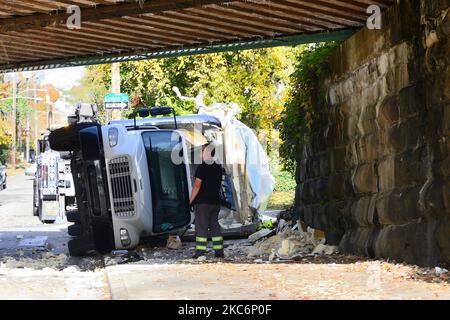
{"x": 174, "y": 242}
{"x": 288, "y": 243}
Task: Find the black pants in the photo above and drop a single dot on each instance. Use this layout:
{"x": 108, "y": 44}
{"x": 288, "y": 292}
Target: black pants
{"x": 207, "y": 225}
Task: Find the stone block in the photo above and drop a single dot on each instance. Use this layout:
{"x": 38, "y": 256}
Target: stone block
{"x": 365, "y": 179}
{"x": 446, "y": 121}
{"x": 306, "y": 193}
{"x": 388, "y": 113}
{"x": 435, "y": 198}
{"x": 399, "y": 206}
{"x": 363, "y": 212}
{"x": 337, "y": 186}
{"x": 404, "y": 136}
{"x": 325, "y": 164}
{"x": 308, "y": 216}
{"x": 413, "y": 243}
{"x": 402, "y": 170}
{"x": 338, "y": 157}
{"x": 333, "y": 223}
{"x": 410, "y": 101}
{"x": 367, "y": 148}
{"x": 443, "y": 241}
{"x": 356, "y": 241}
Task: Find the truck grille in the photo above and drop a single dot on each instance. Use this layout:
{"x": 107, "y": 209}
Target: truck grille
{"x": 122, "y": 191}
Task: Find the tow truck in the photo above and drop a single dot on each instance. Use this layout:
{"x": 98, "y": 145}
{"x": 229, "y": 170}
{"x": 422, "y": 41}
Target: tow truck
{"x": 53, "y": 185}
{"x": 127, "y": 184}
{"x": 53, "y": 190}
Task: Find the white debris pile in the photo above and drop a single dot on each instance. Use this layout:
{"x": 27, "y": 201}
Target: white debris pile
{"x": 48, "y": 260}
{"x": 440, "y": 271}
{"x": 290, "y": 243}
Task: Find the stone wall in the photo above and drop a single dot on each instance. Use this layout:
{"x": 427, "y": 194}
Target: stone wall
{"x": 375, "y": 178}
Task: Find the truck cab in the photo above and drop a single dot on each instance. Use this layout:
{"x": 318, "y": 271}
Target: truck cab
{"x": 127, "y": 184}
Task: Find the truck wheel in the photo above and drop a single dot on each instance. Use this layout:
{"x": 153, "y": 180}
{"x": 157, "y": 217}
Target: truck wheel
{"x": 75, "y": 230}
{"x": 103, "y": 235}
{"x": 81, "y": 246}
{"x": 67, "y": 138}
{"x": 73, "y": 216}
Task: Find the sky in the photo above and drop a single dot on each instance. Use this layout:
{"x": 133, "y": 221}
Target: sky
{"x": 63, "y": 78}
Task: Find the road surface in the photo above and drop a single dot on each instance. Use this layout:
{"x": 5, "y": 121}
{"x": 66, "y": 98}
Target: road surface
{"x": 33, "y": 256}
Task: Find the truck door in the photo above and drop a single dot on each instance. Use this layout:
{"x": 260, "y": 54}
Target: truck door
{"x": 169, "y": 179}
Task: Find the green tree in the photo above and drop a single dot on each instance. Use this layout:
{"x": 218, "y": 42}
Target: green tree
{"x": 92, "y": 88}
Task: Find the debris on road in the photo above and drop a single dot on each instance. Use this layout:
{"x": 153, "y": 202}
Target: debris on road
{"x": 47, "y": 260}
{"x": 260, "y": 234}
{"x": 440, "y": 271}
{"x": 126, "y": 257}
{"x": 324, "y": 249}
{"x": 174, "y": 242}
{"x": 288, "y": 241}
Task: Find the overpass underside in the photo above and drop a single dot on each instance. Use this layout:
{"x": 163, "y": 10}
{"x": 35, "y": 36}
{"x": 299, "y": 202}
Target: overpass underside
{"x": 42, "y": 34}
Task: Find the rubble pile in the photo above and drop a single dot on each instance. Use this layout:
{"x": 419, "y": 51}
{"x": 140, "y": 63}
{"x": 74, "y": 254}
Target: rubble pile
{"x": 47, "y": 260}
{"x": 289, "y": 243}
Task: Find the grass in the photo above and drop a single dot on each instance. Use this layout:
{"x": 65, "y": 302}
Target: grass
{"x": 281, "y": 200}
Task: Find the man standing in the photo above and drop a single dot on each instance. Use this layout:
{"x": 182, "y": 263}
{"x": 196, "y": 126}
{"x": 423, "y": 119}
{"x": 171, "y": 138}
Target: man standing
{"x": 205, "y": 197}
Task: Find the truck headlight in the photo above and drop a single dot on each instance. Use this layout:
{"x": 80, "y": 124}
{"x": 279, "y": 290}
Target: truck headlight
{"x": 125, "y": 237}
{"x": 113, "y": 135}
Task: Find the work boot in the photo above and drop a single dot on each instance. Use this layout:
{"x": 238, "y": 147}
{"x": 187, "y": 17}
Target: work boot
{"x": 219, "y": 254}
{"x": 198, "y": 254}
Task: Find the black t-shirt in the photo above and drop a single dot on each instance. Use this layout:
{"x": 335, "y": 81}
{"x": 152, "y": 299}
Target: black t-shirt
{"x": 211, "y": 176}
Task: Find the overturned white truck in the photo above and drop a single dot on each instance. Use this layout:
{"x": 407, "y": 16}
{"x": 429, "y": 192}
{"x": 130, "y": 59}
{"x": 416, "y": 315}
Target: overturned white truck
{"x": 128, "y": 185}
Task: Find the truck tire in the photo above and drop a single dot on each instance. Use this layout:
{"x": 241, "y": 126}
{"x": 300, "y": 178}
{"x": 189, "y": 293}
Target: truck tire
{"x": 80, "y": 246}
{"x": 103, "y": 235}
{"x": 67, "y": 138}
{"x": 75, "y": 230}
{"x": 73, "y": 216}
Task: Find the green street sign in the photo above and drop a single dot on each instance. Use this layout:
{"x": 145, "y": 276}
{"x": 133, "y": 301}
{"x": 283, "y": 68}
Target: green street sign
{"x": 116, "y": 101}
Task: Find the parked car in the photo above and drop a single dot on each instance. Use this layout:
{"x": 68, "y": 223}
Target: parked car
{"x": 3, "y": 176}
{"x": 31, "y": 169}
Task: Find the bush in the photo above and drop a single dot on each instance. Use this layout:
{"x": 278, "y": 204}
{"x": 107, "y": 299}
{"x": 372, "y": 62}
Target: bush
{"x": 307, "y": 97}
{"x": 284, "y": 181}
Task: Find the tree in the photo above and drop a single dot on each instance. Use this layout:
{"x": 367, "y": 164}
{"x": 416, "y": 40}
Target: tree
{"x": 91, "y": 89}
{"x": 254, "y": 79}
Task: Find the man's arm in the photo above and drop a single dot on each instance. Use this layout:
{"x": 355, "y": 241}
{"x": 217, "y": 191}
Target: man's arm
{"x": 195, "y": 190}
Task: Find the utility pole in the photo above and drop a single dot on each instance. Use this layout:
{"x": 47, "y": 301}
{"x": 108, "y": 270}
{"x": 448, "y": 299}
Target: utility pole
{"x": 28, "y": 131}
{"x": 36, "y": 129}
{"x": 14, "y": 123}
{"x": 115, "y": 88}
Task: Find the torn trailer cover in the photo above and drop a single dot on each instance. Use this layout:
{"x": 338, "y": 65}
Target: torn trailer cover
{"x": 128, "y": 187}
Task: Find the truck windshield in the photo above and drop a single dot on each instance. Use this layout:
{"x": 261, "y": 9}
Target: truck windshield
{"x": 170, "y": 192}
